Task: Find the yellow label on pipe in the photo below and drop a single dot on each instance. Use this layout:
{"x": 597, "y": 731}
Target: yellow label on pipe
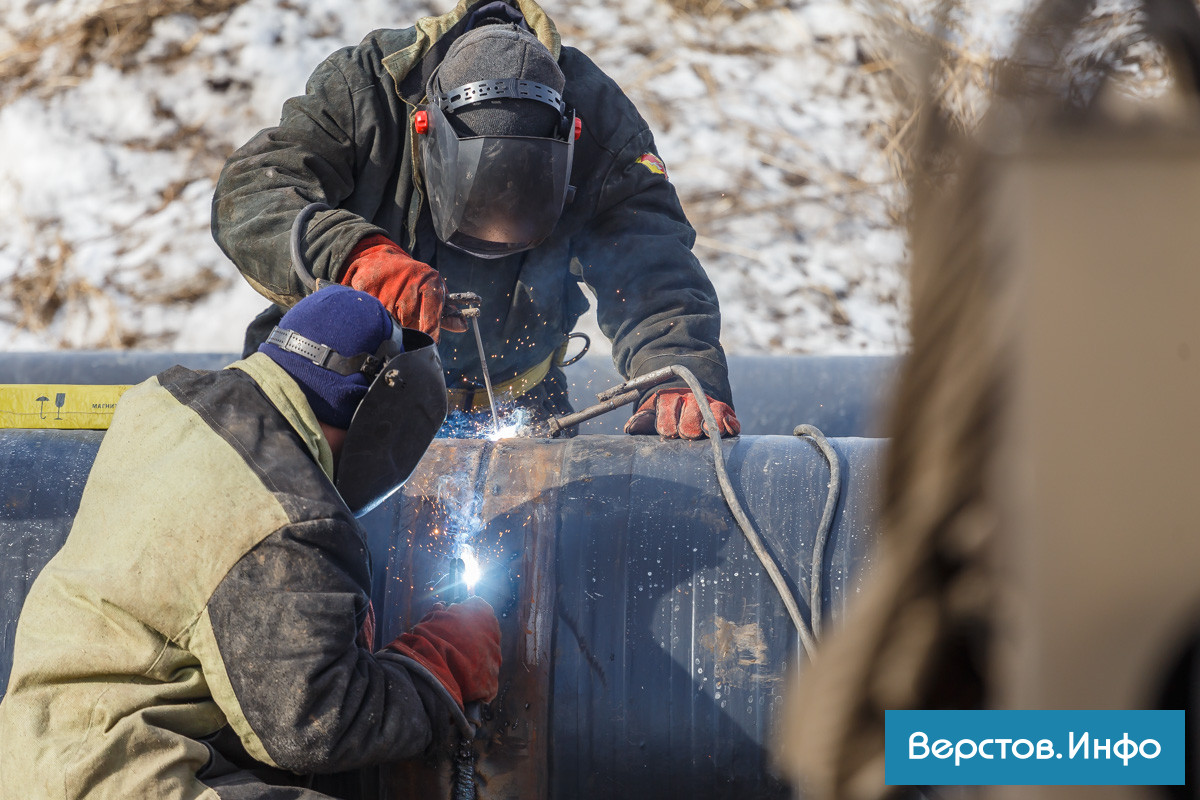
{"x": 34, "y": 405}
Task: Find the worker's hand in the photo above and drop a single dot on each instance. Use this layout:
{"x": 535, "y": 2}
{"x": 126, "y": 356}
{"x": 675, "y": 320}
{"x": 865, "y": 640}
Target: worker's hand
{"x": 413, "y": 292}
{"x": 675, "y": 414}
{"x": 460, "y": 645}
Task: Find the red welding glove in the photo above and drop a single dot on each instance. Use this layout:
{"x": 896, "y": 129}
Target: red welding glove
{"x": 675, "y": 414}
{"x": 366, "y": 634}
{"x": 413, "y": 292}
{"x": 460, "y": 645}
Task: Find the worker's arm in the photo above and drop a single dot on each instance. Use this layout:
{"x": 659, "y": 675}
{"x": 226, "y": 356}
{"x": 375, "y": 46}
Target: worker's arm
{"x": 336, "y": 141}
{"x": 653, "y": 299}
{"x": 277, "y": 642}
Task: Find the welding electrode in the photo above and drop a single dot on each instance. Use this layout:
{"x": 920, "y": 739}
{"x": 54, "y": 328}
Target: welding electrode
{"x": 469, "y": 309}
{"x": 611, "y": 399}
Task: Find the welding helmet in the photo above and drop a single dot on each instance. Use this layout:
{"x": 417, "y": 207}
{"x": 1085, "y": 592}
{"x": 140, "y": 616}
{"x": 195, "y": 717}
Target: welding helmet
{"x": 387, "y": 388}
{"x": 394, "y": 424}
{"x": 496, "y": 143}
{"x": 491, "y": 196}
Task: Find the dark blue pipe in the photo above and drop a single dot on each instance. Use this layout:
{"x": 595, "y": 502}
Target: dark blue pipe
{"x": 841, "y": 395}
{"x": 645, "y": 648}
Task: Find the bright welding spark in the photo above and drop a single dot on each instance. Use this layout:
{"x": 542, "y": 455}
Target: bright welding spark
{"x": 507, "y": 431}
{"x": 514, "y": 421}
{"x": 471, "y": 570}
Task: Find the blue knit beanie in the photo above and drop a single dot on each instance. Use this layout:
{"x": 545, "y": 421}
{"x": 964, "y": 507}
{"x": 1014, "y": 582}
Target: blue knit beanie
{"x": 350, "y": 322}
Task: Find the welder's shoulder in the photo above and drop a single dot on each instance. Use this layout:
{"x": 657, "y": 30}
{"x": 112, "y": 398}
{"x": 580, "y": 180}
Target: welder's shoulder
{"x": 362, "y": 65}
{"x": 608, "y": 115}
{"x": 226, "y": 432}
{"x": 381, "y": 43}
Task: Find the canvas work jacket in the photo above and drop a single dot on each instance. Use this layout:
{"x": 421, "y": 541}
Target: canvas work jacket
{"x": 205, "y": 608}
{"x": 348, "y": 142}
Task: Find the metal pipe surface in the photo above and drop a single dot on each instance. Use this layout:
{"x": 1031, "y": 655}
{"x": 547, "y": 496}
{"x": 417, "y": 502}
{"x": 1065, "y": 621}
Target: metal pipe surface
{"x": 842, "y": 395}
{"x": 644, "y": 648}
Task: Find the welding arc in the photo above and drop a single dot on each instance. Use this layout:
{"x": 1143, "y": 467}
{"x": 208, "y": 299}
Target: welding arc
{"x": 739, "y": 514}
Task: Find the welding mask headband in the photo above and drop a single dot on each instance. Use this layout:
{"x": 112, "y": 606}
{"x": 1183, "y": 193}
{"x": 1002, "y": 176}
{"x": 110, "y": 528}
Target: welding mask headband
{"x": 491, "y": 196}
{"x": 369, "y": 364}
{"x": 393, "y": 425}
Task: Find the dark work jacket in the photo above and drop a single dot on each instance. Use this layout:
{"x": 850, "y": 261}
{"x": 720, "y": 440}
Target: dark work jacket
{"x": 205, "y": 608}
{"x": 348, "y": 142}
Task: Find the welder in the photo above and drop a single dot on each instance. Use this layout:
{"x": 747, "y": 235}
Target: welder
{"x": 207, "y": 630}
{"x": 474, "y": 152}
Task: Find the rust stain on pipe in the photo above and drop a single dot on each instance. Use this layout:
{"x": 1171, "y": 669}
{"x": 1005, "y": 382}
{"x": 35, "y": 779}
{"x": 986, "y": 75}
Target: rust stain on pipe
{"x": 512, "y": 741}
{"x": 740, "y": 652}
{"x": 513, "y": 756}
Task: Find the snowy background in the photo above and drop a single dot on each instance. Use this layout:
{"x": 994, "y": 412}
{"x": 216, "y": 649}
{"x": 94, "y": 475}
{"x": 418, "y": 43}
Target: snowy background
{"x": 779, "y": 122}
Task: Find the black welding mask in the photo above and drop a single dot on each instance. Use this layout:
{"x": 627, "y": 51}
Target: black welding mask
{"x": 491, "y": 196}
{"x": 362, "y": 372}
{"x": 394, "y": 423}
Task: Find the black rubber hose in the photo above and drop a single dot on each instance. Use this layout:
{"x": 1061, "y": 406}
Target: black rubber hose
{"x": 807, "y": 639}
{"x": 826, "y": 527}
{"x": 299, "y": 266}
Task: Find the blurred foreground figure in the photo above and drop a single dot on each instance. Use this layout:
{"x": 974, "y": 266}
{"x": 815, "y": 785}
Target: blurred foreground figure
{"x": 1042, "y": 463}
{"x": 206, "y": 630}
{"x": 917, "y": 636}
{"x": 475, "y": 153}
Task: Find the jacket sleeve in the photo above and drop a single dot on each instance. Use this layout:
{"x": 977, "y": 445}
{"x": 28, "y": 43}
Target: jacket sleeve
{"x": 277, "y": 642}
{"x": 312, "y": 156}
{"x": 653, "y": 299}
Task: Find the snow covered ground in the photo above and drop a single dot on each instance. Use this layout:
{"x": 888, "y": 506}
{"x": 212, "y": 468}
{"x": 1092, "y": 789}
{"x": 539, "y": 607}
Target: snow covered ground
{"x": 116, "y": 116}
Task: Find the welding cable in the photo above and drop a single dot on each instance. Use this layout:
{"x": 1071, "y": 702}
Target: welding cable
{"x": 825, "y": 529}
{"x": 464, "y": 754}
{"x": 298, "y": 264}
{"x": 464, "y": 759}
{"x": 756, "y": 544}
{"x": 465, "y": 727}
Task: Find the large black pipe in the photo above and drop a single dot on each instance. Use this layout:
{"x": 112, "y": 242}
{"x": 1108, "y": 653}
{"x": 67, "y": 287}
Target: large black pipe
{"x": 841, "y": 395}
{"x": 645, "y": 648}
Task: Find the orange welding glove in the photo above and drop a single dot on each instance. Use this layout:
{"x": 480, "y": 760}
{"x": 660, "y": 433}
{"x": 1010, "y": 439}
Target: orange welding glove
{"x": 675, "y": 414}
{"x": 460, "y": 645}
{"x": 412, "y": 291}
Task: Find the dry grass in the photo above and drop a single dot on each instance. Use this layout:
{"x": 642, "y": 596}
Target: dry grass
{"x": 49, "y": 286}
{"x": 113, "y": 35}
{"x": 37, "y": 296}
{"x": 936, "y": 70}
{"x": 940, "y": 76}
{"x": 711, "y": 8}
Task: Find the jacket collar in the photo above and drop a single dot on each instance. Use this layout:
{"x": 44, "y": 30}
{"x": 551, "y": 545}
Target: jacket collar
{"x": 285, "y": 394}
{"x": 431, "y": 31}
